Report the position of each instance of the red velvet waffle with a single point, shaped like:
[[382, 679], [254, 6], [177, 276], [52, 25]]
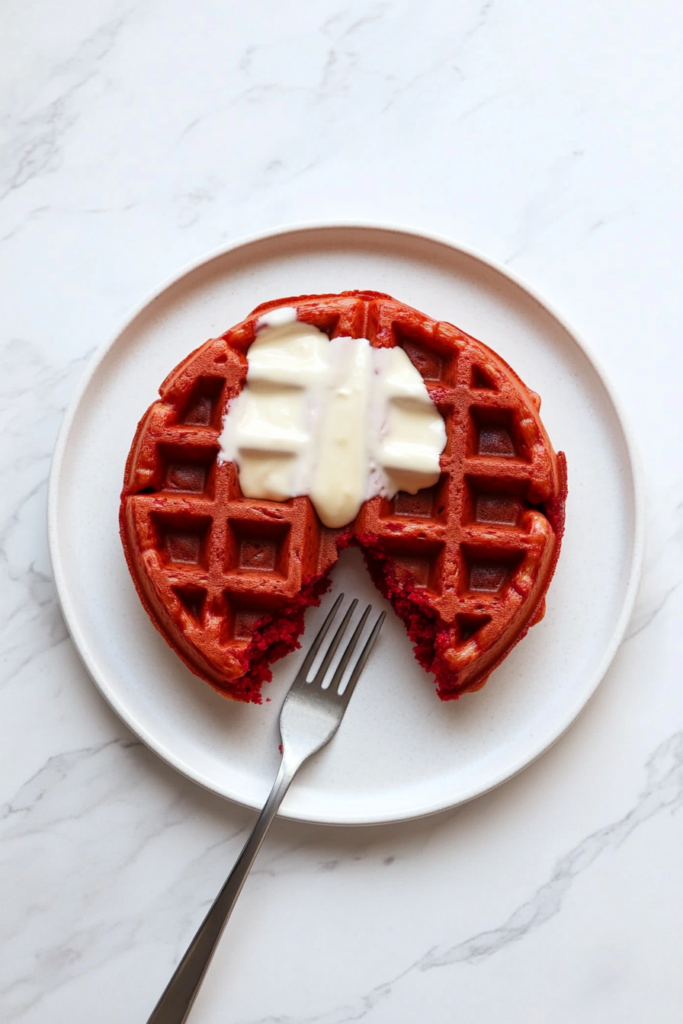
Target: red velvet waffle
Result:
[[465, 564]]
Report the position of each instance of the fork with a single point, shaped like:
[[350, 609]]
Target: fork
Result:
[[310, 716]]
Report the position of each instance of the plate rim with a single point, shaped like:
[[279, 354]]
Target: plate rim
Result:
[[409, 232]]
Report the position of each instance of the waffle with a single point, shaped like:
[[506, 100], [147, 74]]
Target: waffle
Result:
[[465, 563]]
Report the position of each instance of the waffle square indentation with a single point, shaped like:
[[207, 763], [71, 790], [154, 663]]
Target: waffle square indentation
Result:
[[481, 379], [204, 407], [488, 575], [239, 621], [492, 433], [187, 470], [418, 506], [420, 562], [258, 547], [498, 509], [192, 600], [244, 622], [487, 571], [427, 503], [435, 364], [183, 538], [469, 625]]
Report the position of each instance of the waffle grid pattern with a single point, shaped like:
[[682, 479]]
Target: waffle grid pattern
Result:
[[475, 552]]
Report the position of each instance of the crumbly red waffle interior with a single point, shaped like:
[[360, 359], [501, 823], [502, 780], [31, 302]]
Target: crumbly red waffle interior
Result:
[[465, 564]]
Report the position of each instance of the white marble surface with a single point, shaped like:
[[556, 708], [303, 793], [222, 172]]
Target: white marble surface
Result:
[[137, 136]]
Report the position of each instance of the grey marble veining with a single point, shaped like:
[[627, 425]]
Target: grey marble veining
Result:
[[133, 138]]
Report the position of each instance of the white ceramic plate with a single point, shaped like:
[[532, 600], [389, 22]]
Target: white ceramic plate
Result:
[[400, 752]]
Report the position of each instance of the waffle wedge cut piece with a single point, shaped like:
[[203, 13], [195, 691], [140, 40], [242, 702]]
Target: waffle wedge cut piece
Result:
[[465, 564]]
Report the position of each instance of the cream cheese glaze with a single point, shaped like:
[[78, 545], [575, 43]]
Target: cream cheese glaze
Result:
[[336, 419]]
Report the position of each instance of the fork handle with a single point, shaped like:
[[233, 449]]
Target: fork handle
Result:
[[179, 994]]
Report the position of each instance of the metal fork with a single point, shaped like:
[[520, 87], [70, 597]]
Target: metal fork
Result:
[[310, 716]]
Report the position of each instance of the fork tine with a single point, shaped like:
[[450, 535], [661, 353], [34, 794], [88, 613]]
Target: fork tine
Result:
[[315, 646], [362, 658], [319, 677], [344, 660]]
